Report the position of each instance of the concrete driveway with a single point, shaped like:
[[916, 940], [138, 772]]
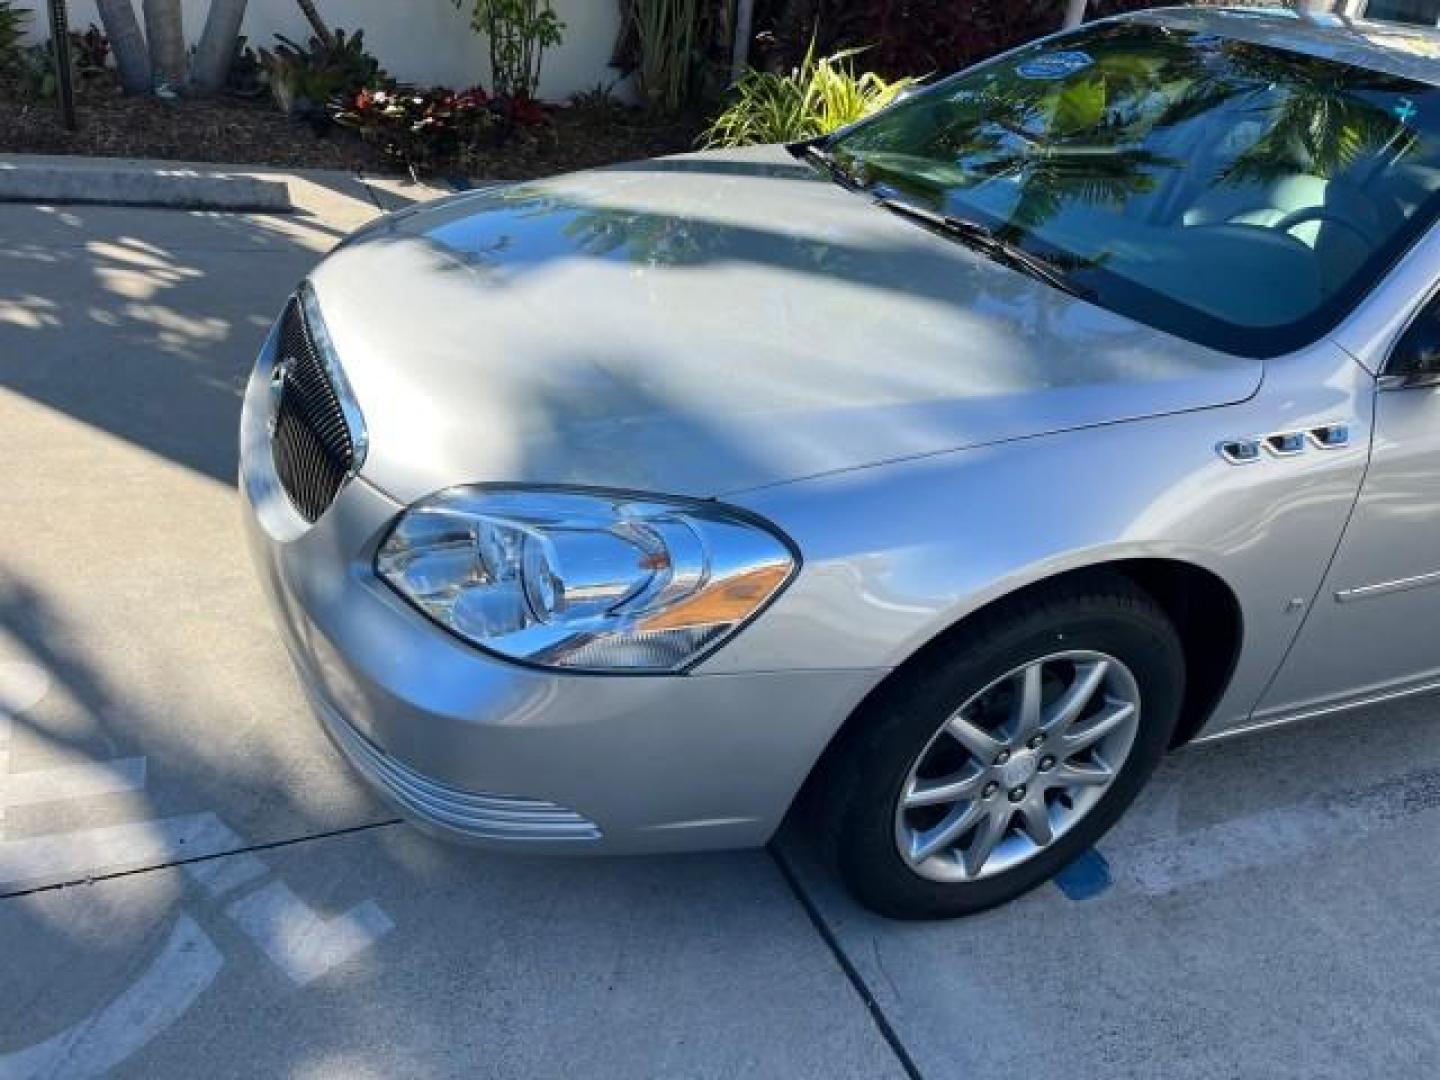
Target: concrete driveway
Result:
[[191, 883]]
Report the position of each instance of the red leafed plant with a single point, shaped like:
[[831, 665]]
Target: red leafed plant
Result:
[[425, 128], [913, 37], [417, 128], [524, 110]]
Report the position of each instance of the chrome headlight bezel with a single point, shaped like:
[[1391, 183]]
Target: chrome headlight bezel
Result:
[[712, 569]]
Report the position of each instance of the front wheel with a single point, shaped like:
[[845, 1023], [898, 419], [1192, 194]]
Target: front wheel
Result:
[[992, 763]]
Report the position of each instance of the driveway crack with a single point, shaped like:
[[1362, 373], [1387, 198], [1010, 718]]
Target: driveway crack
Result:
[[90, 879], [857, 982]]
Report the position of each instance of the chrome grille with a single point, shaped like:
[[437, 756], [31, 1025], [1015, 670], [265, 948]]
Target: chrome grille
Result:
[[310, 439]]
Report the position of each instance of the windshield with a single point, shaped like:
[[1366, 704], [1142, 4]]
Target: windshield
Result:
[[1233, 194]]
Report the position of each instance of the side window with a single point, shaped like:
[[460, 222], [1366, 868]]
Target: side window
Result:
[[1415, 359], [1417, 12]]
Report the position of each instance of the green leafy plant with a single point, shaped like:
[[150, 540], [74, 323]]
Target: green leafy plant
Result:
[[519, 32], [312, 16], [246, 76], [91, 51], [304, 78], [665, 35], [822, 95], [34, 69], [13, 24], [600, 98]]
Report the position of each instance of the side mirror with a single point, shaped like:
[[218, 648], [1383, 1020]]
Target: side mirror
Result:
[[1415, 360]]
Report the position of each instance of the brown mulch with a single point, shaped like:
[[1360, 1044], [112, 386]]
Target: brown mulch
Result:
[[254, 132], [583, 138], [224, 130]]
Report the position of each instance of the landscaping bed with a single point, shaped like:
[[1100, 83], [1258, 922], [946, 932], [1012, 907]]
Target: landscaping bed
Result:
[[231, 130]]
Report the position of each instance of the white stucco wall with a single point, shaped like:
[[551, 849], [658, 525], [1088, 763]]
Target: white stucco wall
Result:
[[419, 41]]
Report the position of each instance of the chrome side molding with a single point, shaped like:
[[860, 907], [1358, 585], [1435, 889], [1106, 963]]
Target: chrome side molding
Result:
[[1385, 588], [1324, 710]]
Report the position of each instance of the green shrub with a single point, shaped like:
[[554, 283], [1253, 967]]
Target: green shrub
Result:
[[519, 32], [91, 50], [33, 70], [666, 34], [822, 95], [13, 23], [305, 78]]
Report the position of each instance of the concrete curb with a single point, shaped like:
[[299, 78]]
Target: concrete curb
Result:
[[120, 185]]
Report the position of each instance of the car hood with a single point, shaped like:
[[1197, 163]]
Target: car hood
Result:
[[710, 323]]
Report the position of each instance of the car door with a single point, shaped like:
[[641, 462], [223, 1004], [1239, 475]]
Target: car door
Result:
[[1374, 628]]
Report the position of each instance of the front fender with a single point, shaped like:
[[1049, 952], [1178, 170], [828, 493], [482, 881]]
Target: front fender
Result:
[[896, 554]]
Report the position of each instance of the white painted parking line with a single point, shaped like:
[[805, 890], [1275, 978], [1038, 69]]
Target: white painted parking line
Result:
[[69, 856], [298, 940], [78, 781], [187, 965]]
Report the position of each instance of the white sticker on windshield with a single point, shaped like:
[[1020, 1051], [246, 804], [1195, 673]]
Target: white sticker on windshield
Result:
[[1056, 65]]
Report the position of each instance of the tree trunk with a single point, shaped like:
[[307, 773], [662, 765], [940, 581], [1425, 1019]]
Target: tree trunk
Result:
[[128, 43], [165, 30], [1074, 13], [744, 23], [312, 16], [216, 51]]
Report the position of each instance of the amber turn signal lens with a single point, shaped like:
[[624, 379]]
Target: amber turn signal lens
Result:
[[727, 601]]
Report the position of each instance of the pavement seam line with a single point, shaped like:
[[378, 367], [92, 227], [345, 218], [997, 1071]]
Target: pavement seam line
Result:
[[852, 974], [137, 870]]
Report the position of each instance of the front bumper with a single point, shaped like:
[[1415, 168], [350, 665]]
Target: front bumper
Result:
[[483, 750]]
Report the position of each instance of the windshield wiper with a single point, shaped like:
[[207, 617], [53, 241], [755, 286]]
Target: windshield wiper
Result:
[[973, 234], [982, 238]]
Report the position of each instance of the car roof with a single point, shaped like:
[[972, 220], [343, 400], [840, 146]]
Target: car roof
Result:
[[1411, 52]]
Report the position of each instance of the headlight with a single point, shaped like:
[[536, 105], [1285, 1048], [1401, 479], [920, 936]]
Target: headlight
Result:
[[586, 581]]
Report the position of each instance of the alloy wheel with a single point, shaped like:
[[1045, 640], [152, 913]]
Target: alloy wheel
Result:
[[1017, 766]]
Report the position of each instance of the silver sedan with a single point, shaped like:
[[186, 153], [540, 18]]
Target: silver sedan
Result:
[[935, 477]]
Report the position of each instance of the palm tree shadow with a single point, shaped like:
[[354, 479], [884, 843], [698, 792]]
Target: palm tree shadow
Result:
[[142, 324]]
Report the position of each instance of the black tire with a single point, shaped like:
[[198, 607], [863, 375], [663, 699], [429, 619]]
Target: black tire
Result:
[[861, 786]]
